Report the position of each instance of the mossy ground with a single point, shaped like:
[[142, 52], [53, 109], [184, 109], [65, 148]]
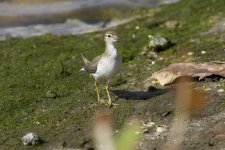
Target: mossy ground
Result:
[[30, 68]]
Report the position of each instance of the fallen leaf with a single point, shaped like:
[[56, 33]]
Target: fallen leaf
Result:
[[177, 70]]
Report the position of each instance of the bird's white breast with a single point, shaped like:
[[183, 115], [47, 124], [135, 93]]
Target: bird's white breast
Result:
[[108, 67]]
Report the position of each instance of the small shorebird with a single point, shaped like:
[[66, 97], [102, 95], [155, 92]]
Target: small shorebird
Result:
[[104, 66]]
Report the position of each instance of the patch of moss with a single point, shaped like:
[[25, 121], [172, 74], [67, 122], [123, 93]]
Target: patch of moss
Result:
[[29, 68]]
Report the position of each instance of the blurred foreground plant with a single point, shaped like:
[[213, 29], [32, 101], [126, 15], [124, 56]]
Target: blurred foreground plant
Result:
[[103, 134], [189, 101]]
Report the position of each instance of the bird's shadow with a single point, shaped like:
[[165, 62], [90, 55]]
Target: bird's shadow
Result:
[[140, 95]]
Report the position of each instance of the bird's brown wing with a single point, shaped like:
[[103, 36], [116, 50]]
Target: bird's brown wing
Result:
[[91, 67]]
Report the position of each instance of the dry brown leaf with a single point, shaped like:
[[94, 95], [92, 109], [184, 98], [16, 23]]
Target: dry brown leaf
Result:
[[200, 71]]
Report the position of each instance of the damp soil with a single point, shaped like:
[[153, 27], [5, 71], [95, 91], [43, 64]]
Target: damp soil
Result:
[[42, 90]]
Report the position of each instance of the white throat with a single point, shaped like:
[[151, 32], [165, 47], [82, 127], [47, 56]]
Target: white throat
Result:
[[111, 49]]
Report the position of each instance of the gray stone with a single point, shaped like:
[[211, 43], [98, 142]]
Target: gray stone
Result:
[[31, 139], [159, 44]]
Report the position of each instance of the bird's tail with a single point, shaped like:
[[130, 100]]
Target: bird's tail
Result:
[[85, 60]]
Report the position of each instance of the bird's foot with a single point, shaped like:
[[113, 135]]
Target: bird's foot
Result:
[[103, 101], [108, 103]]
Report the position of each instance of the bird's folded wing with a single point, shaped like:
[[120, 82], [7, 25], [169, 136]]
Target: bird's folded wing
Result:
[[91, 67]]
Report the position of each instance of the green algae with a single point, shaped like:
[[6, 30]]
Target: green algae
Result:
[[30, 68]]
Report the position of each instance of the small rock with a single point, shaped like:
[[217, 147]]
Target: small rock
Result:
[[31, 139], [159, 44], [220, 90], [190, 53], [137, 27], [161, 129], [150, 124], [172, 24], [203, 52]]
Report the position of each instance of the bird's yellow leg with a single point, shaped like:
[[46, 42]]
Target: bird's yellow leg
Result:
[[109, 98], [97, 91], [109, 102]]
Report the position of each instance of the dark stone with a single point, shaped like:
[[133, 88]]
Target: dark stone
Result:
[[159, 44]]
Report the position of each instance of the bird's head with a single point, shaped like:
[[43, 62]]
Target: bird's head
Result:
[[110, 37]]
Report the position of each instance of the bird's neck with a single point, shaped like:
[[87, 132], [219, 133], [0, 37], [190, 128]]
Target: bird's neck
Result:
[[110, 49]]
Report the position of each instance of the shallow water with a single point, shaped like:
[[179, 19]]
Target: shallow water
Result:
[[19, 20], [12, 9]]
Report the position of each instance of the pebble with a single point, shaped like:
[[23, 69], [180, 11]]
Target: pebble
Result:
[[31, 139], [150, 124], [220, 90], [190, 53], [159, 44], [161, 129], [137, 27], [203, 52]]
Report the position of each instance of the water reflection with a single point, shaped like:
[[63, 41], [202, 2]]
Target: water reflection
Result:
[[15, 9], [24, 18]]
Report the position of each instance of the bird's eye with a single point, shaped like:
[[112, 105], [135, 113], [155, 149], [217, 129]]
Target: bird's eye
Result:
[[109, 35]]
